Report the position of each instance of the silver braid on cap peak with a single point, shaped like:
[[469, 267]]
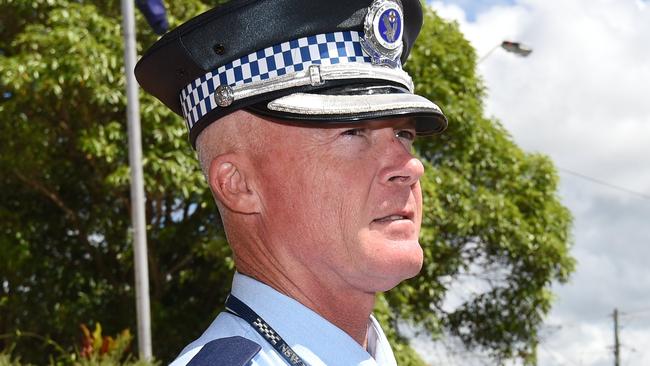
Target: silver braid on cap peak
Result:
[[302, 62]]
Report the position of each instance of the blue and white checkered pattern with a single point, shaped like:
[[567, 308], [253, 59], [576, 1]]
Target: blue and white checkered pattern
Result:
[[197, 98]]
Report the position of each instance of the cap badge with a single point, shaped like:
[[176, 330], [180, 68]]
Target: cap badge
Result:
[[383, 33]]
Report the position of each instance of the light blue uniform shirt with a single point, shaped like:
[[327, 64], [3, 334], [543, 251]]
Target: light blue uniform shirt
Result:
[[317, 341]]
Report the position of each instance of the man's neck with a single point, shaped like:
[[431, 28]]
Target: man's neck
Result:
[[347, 309]]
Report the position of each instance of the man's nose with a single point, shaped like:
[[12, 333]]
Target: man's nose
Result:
[[400, 166]]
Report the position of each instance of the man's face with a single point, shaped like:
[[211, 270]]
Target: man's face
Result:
[[344, 202]]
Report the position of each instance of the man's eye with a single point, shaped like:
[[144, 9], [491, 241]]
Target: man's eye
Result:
[[405, 134], [354, 132]]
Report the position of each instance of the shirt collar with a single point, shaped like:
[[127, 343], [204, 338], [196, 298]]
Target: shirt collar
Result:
[[315, 339]]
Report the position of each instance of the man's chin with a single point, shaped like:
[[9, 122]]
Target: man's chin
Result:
[[388, 283], [404, 261]]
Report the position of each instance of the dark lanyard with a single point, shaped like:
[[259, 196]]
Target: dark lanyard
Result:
[[238, 308]]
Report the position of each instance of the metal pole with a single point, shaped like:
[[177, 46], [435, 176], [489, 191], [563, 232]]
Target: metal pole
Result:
[[487, 54], [617, 345], [512, 47], [137, 186]]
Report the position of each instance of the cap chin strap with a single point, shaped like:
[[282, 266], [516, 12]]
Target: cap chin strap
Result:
[[316, 75]]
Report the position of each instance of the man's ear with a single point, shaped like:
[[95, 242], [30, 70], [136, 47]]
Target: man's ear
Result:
[[229, 178]]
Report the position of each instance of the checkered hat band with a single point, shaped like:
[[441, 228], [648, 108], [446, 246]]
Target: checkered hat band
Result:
[[197, 98]]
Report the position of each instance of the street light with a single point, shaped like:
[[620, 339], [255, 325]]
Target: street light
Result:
[[512, 47]]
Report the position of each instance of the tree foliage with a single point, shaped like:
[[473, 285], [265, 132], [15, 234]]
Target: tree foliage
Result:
[[491, 214], [491, 210]]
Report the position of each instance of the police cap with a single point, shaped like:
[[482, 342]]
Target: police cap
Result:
[[318, 62]]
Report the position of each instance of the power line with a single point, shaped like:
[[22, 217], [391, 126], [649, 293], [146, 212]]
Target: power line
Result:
[[635, 311], [563, 360], [606, 184]]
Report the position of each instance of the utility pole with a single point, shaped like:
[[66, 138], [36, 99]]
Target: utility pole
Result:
[[617, 345]]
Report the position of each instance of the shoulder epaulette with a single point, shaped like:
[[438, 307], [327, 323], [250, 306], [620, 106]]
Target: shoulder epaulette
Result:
[[231, 351]]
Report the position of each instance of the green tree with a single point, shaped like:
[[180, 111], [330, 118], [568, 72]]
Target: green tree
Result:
[[64, 216], [491, 213], [64, 197]]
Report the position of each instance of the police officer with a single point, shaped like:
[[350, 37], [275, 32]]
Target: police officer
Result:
[[303, 121]]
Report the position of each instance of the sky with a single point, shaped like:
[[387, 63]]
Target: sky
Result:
[[583, 98]]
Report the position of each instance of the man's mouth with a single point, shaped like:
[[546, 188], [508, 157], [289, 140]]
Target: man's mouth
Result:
[[392, 218]]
